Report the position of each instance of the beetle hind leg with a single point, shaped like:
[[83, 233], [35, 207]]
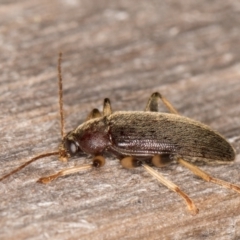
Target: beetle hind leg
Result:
[[205, 176], [153, 103]]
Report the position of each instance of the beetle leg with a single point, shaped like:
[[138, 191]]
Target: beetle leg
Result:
[[205, 176], [161, 160], [153, 103], [107, 109], [191, 206], [95, 113], [64, 172], [98, 161], [130, 162]]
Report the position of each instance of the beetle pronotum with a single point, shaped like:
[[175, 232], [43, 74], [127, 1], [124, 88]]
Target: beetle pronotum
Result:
[[142, 138]]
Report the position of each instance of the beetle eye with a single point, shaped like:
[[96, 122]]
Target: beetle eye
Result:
[[72, 147]]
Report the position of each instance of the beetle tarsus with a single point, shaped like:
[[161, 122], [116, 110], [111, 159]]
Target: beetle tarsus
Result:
[[48, 179]]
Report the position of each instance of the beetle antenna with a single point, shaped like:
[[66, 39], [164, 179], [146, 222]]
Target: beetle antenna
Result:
[[28, 162], [61, 151], [60, 94]]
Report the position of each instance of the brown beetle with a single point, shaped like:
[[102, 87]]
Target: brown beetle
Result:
[[143, 138]]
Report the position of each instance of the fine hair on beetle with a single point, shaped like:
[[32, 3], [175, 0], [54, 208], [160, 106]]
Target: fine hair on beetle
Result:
[[144, 139]]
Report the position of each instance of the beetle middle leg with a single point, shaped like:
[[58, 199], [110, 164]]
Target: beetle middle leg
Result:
[[107, 109], [95, 113], [131, 162], [161, 160], [153, 103], [98, 161]]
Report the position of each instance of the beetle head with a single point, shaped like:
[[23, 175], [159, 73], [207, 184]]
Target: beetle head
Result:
[[69, 147]]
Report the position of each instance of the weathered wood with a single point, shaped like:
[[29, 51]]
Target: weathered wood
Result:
[[125, 50]]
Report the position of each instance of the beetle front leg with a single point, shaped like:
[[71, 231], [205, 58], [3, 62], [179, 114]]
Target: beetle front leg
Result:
[[153, 103], [98, 161]]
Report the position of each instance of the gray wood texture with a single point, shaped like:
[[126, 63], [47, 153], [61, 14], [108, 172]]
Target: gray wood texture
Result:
[[125, 50]]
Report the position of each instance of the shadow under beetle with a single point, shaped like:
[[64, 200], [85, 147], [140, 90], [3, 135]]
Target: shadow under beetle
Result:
[[142, 138]]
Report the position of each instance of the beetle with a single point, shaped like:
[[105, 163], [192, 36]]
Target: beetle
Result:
[[142, 138]]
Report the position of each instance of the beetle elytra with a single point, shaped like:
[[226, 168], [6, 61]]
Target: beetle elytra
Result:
[[142, 138]]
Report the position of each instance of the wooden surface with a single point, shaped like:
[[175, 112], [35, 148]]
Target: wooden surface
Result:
[[124, 50]]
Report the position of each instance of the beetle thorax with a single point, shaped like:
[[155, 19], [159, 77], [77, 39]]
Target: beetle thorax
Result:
[[92, 136]]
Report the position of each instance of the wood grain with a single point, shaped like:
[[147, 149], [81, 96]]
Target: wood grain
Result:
[[125, 50]]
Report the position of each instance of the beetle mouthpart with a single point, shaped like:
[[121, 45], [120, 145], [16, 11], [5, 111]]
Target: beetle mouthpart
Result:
[[63, 154]]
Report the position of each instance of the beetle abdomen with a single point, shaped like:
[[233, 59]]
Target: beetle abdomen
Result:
[[150, 133]]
